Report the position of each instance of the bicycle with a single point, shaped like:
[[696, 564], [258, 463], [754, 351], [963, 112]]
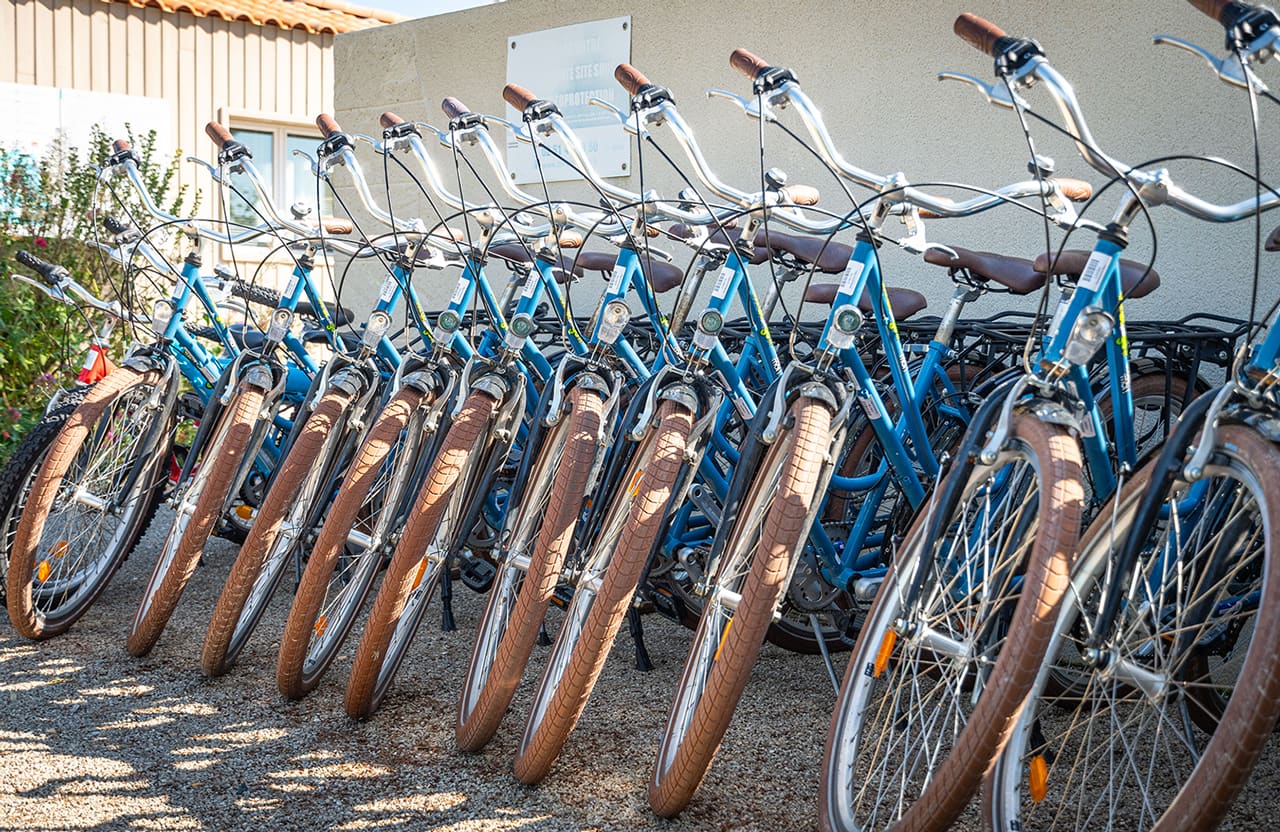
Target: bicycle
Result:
[[971, 599]]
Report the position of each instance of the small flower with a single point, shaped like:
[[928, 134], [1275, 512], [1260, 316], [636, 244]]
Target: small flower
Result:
[[41, 242], [4, 434], [15, 414]]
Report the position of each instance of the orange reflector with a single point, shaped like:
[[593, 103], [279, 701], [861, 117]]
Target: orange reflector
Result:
[[417, 579], [885, 651], [1038, 778], [321, 623], [42, 571], [723, 636], [60, 549], [244, 511], [635, 483]]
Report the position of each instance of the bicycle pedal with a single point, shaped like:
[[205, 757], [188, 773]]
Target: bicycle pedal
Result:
[[849, 634], [477, 575], [667, 604], [190, 407], [562, 596]]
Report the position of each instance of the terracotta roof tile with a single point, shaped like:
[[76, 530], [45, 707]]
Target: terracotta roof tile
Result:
[[312, 15]]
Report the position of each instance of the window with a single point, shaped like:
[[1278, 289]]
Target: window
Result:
[[287, 176]]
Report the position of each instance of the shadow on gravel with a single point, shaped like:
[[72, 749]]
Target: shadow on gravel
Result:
[[92, 739]]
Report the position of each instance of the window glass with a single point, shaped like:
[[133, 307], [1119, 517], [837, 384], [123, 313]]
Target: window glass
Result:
[[299, 182], [261, 144]]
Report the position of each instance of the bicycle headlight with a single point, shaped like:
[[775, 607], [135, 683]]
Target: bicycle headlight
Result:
[[280, 320], [613, 319], [845, 323], [518, 330], [710, 322], [448, 321], [522, 325], [375, 328], [1088, 334], [161, 314]]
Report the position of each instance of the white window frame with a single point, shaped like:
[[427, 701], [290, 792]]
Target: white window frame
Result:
[[281, 127]]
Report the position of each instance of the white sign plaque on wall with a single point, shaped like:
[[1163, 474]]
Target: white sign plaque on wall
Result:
[[32, 117], [569, 66]]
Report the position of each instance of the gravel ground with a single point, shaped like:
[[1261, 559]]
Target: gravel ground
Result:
[[91, 738]]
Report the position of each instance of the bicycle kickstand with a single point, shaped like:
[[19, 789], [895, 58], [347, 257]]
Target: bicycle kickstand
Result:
[[643, 663]]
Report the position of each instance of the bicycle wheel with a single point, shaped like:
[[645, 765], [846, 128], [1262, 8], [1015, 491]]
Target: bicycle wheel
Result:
[[602, 593], [933, 686], [198, 509], [433, 528], [809, 596], [351, 546], [1160, 729], [538, 530], [19, 473], [752, 573], [76, 527], [280, 526]]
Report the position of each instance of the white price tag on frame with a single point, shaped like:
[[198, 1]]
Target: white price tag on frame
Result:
[[1094, 271], [570, 65]]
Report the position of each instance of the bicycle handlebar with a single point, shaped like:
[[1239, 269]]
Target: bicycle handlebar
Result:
[[518, 97], [48, 271], [748, 64], [982, 35], [787, 90], [1213, 8], [1156, 188], [453, 108], [327, 125], [631, 79]]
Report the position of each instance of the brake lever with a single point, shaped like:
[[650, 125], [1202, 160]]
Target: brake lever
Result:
[[213, 170], [749, 107], [1227, 69], [628, 123], [998, 95], [515, 129], [54, 292]]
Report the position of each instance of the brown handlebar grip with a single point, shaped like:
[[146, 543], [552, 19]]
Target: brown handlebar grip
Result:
[[746, 63], [518, 97], [630, 78], [980, 34], [453, 108], [121, 146], [1212, 8], [801, 194], [221, 136], [389, 120], [328, 126], [1076, 190]]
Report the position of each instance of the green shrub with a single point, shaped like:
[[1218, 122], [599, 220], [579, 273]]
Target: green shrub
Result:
[[47, 206]]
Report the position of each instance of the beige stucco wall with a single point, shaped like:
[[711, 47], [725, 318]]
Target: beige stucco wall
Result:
[[871, 67]]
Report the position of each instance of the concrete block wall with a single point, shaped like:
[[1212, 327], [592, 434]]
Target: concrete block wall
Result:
[[871, 66]]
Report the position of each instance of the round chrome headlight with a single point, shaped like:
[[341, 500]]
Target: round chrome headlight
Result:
[[449, 321], [522, 325], [613, 319], [711, 322]]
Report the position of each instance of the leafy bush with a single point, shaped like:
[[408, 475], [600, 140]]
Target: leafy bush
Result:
[[48, 205]]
